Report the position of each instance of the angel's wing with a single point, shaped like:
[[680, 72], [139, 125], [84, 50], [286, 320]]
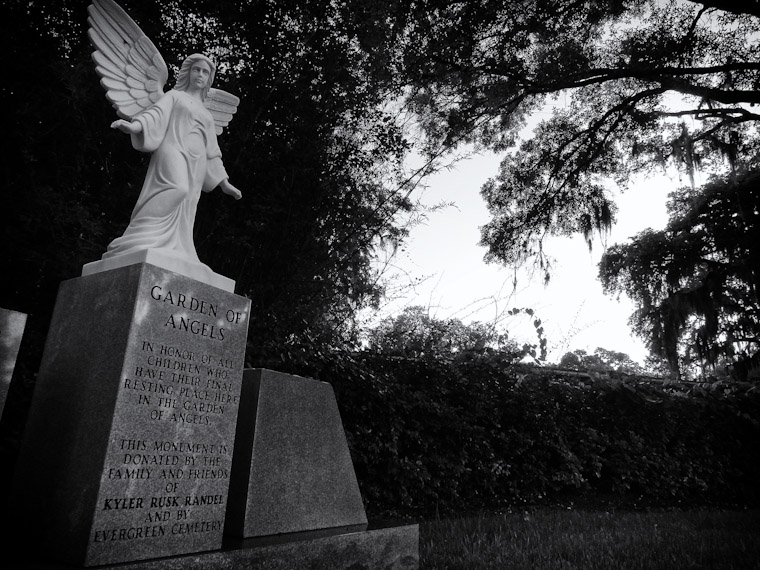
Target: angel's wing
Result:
[[222, 106], [131, 70]]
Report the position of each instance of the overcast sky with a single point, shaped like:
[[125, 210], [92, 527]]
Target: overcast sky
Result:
[[444, 261]]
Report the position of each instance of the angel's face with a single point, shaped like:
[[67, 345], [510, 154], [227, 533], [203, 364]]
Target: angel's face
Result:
[[199, 74]]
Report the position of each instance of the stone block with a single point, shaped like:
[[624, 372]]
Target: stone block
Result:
[[380, 548], [292, 469], [12, 325], [128, 446]]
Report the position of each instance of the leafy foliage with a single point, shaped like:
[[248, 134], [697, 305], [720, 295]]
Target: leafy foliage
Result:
[[435, 435], [415, 334], [602, 360], [696, 283]]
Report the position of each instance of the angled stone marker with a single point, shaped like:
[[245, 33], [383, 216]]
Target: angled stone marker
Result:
[[128, 447], [292, 470], [294, 500], [12, 325]]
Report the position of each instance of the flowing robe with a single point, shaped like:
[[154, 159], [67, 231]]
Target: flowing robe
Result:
[[186, 160]]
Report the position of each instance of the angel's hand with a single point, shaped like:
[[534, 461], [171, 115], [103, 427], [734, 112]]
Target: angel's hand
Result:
[[130, 128], [228, 188]]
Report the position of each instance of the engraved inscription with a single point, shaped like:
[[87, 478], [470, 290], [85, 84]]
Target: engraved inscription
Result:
[[167, 473], [180, 385]]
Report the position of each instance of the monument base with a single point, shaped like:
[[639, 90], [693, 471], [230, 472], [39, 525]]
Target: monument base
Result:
[[165, 260], [381, 548]]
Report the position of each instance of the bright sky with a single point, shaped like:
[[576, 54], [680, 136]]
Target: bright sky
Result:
[[443, 253]]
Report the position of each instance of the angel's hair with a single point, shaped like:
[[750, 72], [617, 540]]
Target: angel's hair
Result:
[[183, 79]]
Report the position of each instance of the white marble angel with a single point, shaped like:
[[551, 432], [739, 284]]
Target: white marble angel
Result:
[[179, 128]]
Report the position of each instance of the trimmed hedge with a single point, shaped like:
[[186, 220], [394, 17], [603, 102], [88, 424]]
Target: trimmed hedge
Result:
[[483, 433]]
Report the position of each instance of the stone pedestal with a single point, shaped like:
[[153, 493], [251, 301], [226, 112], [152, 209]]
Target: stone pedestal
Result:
[[292, 470], [128, 447], [12, 326], [165, 260]]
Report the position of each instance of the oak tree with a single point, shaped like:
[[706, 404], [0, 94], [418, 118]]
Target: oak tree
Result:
[[696, 284]]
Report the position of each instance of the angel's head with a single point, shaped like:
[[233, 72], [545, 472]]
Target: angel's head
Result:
[[183, 79]]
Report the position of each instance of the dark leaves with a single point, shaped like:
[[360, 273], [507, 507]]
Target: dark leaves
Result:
[[696, 283]]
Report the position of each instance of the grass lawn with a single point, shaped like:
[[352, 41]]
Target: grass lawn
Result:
[[592, 540]]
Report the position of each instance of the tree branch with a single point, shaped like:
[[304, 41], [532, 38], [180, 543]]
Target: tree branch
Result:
[[720, 95], [623, 107], [653, 74], [736, 114], [749, 7], [690, 32]]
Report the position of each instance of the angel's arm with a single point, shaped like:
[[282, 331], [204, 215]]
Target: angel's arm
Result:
[[128, 127], [228, 188]]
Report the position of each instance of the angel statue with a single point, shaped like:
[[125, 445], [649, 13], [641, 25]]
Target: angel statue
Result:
[[179, 128]]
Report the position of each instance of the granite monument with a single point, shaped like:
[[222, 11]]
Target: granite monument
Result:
[[128, 446]]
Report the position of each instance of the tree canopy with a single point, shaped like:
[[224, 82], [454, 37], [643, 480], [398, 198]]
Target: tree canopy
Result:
[[318, 149], [697, 282], [628, 87], [414, 333], [602, 360]]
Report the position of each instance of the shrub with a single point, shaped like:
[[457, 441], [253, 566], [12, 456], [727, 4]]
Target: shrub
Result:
[[468, 433]]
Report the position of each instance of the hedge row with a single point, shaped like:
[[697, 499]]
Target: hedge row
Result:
[[480, 433]]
